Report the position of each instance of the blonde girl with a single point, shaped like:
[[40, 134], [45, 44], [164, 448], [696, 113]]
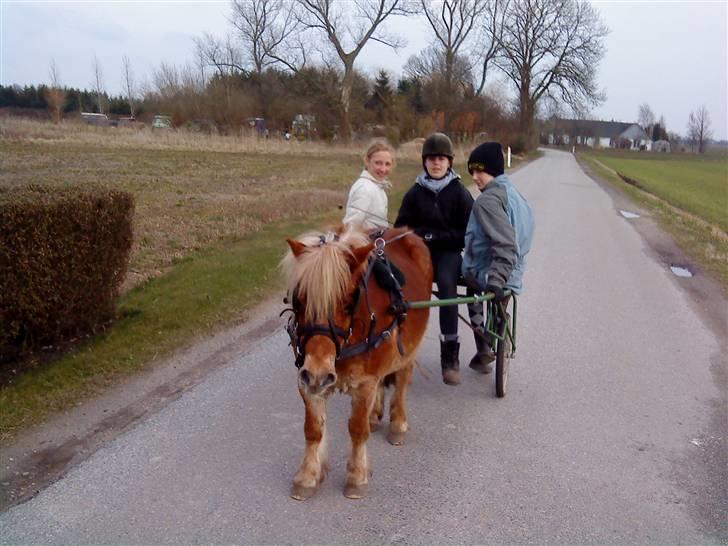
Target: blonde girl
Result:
[[367, 202]]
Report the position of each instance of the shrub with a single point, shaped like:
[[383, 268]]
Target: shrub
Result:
[[63, 256]]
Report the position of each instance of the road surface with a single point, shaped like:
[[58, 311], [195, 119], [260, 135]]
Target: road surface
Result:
[[613, 429]]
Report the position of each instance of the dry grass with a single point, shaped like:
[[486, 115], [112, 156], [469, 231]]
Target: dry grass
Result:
[[79, 133], [191, 190]]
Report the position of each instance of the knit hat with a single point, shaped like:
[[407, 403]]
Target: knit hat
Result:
[[487, 157]]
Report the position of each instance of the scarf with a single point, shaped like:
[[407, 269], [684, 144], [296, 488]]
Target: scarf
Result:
[[433, 185]]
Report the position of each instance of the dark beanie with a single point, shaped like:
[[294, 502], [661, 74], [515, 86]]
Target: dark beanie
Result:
[[487, 157]]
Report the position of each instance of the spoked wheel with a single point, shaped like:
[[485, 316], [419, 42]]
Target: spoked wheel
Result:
[[502, 359]]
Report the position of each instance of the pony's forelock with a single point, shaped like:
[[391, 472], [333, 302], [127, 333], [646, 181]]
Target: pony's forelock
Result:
[[321, 274]]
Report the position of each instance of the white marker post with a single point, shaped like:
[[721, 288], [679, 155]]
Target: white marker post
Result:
[[509, 157]]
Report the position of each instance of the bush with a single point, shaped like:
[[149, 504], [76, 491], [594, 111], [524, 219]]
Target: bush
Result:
[[518, 146], [63, 257]]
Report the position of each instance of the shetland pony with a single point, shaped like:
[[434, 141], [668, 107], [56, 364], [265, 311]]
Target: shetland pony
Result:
[[349, 334]]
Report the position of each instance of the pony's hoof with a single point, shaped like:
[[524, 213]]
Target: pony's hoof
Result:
[[301, 493], [373, 426], [396, 438], [352, 491]]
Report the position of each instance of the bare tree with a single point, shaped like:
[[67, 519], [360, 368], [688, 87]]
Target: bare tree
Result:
[[551, 47], [267, 31], [645, 117], [55, 95], [699, 128], [222, 54], [98, 84], [128, 83], [487, 42], [429, 68], [452, 22], [350, 25]]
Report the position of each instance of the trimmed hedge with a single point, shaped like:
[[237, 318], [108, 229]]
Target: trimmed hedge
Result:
[[63, 257]]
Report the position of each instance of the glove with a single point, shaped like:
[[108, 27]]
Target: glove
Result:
[[497, 290]]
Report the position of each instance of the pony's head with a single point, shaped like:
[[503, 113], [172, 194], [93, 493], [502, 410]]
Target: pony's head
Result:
[[323, 270]]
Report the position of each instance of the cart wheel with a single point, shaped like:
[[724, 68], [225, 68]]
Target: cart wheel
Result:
[[502, 360]]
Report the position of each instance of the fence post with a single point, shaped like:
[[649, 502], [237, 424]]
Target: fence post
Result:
[[509, 157]]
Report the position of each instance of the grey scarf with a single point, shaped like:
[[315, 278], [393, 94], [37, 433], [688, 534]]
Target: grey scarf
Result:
[[433, 185]]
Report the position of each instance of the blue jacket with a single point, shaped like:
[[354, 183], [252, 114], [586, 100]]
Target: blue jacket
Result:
[[498, 236]]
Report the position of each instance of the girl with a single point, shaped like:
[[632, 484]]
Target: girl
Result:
[[437, 208], [367, 203]]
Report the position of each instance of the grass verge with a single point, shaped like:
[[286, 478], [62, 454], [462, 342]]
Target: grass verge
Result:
[[204, 291], [705, 242]]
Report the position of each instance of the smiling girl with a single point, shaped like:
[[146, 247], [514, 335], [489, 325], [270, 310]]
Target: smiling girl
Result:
[[367, 203]]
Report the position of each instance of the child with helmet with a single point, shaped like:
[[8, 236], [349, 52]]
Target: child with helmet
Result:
[[437, 208]]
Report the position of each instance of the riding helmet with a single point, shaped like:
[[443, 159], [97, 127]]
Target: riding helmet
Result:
[[438, 144]]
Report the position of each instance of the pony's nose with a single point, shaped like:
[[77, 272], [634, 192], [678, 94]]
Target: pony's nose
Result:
[[316, 382]]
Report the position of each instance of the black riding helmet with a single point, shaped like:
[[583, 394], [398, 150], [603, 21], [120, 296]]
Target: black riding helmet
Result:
[[437, 144]]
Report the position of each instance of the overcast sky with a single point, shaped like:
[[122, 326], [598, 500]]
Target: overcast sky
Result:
[[670, 55]]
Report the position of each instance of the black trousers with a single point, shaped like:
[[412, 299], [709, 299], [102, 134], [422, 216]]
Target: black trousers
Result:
[[446, 265]]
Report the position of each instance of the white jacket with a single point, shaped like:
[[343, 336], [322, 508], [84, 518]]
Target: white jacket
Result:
[[367, 203]]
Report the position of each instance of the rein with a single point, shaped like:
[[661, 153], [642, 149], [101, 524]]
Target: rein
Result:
[[300, 334]]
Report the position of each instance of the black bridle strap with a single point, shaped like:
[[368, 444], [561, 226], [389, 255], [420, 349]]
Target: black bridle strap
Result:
[[301, 334]]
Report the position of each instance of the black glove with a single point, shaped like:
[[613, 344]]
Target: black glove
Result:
[[497, 290], [425, 233]]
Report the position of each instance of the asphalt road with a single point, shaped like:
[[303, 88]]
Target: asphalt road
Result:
[[613, 429]]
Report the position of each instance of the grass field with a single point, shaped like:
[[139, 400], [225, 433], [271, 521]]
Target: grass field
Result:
[[212, 214], [696, 184], [686, 194]]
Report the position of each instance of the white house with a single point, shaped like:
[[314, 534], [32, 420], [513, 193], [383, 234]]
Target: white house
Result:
[[596, 134]]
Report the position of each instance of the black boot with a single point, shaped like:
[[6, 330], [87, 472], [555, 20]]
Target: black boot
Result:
[[481, 362], [449, 351]]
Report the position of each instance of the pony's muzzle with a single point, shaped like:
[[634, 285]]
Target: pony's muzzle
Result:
[[315, 383]]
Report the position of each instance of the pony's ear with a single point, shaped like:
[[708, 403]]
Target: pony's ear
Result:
[[297, 247], [359, 255]]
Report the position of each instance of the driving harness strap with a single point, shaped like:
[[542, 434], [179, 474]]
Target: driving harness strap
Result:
[[300, 334]]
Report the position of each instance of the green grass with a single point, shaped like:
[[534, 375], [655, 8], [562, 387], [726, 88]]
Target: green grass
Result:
[[695, 230], [695, 184]]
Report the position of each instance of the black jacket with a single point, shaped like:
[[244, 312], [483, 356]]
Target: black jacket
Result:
[[444, 215]]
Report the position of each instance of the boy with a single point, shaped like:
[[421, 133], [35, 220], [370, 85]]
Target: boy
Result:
[[497, 239]]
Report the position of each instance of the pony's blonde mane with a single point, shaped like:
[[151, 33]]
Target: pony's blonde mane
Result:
[[321, 274]]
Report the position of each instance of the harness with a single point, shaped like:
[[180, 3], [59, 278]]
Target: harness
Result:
[[300, 334]]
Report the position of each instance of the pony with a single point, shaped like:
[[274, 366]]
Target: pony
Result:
[[351, 335]]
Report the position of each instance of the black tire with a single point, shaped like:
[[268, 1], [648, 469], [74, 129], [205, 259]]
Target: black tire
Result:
[[502, 360]]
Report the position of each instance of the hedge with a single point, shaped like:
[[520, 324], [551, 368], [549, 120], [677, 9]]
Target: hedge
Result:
[[63, 256]]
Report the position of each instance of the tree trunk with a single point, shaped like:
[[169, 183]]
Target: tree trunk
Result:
[[346, 86], [526, 111]]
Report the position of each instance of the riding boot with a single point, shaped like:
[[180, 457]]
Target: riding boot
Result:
[[449, 351], [481, 362]]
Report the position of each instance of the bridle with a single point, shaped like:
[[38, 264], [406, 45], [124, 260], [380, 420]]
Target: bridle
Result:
[[301, 333]]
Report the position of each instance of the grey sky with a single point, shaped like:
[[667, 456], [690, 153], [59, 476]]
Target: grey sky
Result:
[[671, 55]]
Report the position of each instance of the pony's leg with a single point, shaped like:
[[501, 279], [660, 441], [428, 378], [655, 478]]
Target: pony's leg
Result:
[[375, 417], [357, 469], [398, 406], [315, 460]]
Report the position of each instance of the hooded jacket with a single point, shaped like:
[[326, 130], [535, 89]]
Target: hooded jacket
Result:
[[367, 202], [498, 236]]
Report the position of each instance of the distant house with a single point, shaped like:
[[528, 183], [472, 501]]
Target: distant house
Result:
[[596, 134]]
